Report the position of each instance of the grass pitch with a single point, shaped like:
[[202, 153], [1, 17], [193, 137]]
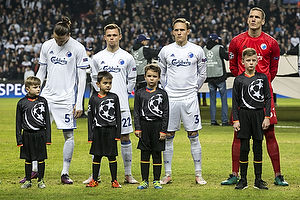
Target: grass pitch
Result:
[[216, 163]]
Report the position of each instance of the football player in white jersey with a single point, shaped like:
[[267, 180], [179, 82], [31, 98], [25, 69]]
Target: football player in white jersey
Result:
[[122, 66], [183, 72], [64, 60]]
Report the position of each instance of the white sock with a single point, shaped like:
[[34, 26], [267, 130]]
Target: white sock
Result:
[[34, 166], [168, 155], [68, 150], [126, 151], [196, 152]]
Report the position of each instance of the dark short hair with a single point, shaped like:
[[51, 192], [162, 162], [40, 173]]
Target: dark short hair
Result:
[[32, 80], [104, 74], [248, 52], [153, 67], [63, 27], [182, 20], [112, 26]]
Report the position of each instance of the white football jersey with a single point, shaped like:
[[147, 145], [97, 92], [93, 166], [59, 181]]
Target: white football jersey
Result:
[[62, 63], [122, 67], [183, 69]]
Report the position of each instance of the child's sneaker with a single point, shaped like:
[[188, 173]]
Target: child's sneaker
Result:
[[166, 179], [144, 185], [129, 179], [92, 183], [260, 184], [280, 181], [41, 184], [157, 185], [27, 184], [241, 185], [115, 184], [66, 179]]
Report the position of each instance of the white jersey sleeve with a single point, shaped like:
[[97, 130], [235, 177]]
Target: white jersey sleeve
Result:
[[201, 69], [131, 74], [163, 66]]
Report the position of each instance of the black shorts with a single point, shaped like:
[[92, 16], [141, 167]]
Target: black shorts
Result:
[[104, 143], [34, 145], [251, 124], [150, 136]]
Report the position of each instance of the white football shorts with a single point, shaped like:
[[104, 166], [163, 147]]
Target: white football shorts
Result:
[[63, 116], [126, 123], [188, 111]]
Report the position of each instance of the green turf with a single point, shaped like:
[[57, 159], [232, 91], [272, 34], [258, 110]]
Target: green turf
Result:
[[216, 163]]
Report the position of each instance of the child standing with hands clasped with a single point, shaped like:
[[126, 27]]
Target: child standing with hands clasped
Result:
[[33, 129], [251, 109], [104, 127], [151, 114]]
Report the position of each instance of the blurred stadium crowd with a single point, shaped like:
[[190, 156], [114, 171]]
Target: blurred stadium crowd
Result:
[[26, 24]]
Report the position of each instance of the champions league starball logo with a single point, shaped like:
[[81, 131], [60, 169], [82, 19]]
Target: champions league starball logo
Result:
[[107, 110], [210, 54], [231, 55], [37, 112], [154, 104], [255, 90]]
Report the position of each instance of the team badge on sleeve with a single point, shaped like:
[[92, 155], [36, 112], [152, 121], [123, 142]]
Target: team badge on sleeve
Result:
[[231, 55]]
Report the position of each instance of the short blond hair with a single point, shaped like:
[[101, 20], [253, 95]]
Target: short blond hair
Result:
[[112, 26], [258, 9], [248, 52], [182, 20]]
